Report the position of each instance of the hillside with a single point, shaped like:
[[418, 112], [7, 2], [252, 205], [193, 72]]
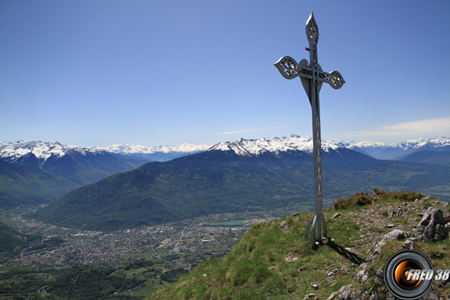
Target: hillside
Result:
[[429, 157], [230, 180], [273, 261], [10, 241], [21, 185]]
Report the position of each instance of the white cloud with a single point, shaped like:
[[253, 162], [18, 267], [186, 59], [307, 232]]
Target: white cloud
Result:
[[432, 127]]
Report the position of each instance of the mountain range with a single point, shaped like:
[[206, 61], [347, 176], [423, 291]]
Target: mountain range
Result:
[[400, 150], [275, 145], [158, 153], [432, 151], [31, 153], [80, 165], [377, 150], [36, 172], [229, 177]]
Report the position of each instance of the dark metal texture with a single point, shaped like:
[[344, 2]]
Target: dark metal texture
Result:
[[312, 77]]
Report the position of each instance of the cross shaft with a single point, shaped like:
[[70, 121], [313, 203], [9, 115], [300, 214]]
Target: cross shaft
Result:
[[312, 77]]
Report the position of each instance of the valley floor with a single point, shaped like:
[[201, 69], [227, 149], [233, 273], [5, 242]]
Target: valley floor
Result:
[[156, 255]]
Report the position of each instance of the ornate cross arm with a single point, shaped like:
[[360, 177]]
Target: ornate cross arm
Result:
[[289, 68]]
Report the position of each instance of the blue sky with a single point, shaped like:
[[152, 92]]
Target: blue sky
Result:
[[97, 73]]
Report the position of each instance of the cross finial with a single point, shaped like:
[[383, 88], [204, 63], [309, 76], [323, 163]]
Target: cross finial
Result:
[[312, 30]]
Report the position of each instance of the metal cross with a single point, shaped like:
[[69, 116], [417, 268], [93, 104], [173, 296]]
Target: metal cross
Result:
[[312, 78]]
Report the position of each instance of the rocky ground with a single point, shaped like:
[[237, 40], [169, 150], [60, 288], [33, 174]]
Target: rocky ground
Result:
[[412, 224]]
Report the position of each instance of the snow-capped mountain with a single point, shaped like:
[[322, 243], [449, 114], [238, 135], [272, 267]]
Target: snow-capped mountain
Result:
[[276, 145], [41, 151], [294, 142], [369, 148], [432, 143], [78, 164], [39, 154], [158, 153], [133, 149], [365, 145], [398, 150]]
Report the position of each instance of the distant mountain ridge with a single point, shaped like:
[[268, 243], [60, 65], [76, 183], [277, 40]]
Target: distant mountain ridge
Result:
[[244, 146], [400, 150], [377, 150], [13, 152], [64, 168], [274, 145], [429, 157], [157, 153], [78, 164], [36, 153], [42, 151]]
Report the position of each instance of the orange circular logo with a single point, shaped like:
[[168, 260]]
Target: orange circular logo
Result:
[[408, 274], [403, 274]]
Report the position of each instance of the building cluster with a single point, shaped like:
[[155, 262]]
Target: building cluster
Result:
[[121, 247]]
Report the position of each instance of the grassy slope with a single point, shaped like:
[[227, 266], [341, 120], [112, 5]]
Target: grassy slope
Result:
[[45, 282], [256, 268], [12, 241], [9, 240]]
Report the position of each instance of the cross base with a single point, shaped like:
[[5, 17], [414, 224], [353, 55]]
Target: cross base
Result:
[[316, 221]]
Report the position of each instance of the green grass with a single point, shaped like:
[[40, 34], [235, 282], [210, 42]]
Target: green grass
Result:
[[150, 287], [256, 268]]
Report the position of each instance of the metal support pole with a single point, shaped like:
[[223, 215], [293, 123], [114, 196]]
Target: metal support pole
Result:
[[312, 78]]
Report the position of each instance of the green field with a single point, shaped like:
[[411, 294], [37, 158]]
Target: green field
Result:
[[134, 281]]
